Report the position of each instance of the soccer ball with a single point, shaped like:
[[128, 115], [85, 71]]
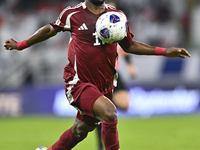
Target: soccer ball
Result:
[[41, 148], [111, 27]]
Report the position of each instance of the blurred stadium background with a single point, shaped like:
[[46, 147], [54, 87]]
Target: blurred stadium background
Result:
[[31, 81]]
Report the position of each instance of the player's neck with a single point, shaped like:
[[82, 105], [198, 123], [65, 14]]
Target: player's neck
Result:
[[95, 9]]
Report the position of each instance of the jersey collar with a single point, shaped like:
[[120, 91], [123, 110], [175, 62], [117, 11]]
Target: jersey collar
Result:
[[84, 5]]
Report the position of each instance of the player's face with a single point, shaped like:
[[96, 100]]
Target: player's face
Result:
[[97, 2]]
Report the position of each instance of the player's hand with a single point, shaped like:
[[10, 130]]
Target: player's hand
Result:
[[10, 44], [177, 52]]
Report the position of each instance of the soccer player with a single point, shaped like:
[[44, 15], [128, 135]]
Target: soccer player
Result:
[[91, 70]]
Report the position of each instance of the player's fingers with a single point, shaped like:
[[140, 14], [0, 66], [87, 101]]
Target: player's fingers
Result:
[[181, 56], [8, 48], [185, 52], [6, 43]]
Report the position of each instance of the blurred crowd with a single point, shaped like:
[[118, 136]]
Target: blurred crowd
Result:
[[163, 23]]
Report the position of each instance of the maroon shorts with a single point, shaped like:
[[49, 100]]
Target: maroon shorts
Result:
[[85, 103]]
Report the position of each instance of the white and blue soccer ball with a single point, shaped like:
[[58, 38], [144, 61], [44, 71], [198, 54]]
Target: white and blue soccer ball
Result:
[[41, 148], [111, 27]]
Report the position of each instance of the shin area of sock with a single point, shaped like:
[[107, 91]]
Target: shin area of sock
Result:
[[66, 142], [110, 135]]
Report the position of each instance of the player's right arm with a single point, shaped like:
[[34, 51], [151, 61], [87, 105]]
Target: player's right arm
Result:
[[40, 35], [140, 48]]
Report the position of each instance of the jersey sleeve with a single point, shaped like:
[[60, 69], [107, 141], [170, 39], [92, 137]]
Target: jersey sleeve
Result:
[[127, 40], [63, 22]]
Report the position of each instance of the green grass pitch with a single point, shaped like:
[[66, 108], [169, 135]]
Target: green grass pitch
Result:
[[156, 133]]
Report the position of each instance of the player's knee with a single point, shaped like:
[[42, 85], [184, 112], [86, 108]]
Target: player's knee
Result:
[[105, 110], [80, 129], [110, 115], [79, 133]]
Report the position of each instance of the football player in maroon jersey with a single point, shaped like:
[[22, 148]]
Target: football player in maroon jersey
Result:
[[89, 76]]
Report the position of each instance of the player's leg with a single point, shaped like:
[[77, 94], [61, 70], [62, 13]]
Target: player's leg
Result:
[[99, 108], [105, 110], [91, 102], [121, 101], [83, 123], [72, 136]]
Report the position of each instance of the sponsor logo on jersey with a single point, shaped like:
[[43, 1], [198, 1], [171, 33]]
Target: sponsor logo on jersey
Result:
[[83, 27]]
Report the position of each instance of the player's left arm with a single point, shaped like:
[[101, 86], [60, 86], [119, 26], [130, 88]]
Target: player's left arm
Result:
[[40, 35], [143, 49]]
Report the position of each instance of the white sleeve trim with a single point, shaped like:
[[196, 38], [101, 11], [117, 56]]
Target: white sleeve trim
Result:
[[68, 23]]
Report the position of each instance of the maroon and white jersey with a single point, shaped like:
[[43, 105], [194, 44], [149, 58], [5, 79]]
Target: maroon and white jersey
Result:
[[90, 60]]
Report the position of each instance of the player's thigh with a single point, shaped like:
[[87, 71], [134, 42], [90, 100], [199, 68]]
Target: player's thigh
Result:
[[84, 103], [86, 100], [92, 103], [104, 109]]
